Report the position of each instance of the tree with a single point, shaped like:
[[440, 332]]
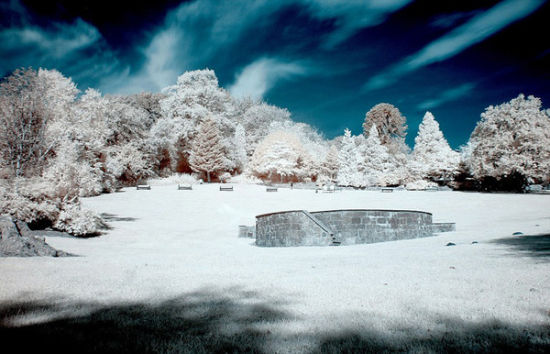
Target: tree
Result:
[[257, 120], [376, 160], [389, 122], [281, 157], [512, 138], [207, 151], [331, 164], [348, 161], [432, 155], [195, 98], [25, 112], [239, 148]]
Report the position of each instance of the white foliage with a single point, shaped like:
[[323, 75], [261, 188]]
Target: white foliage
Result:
[[208, 153], [71, 175], [77, 221], [376, 160], [432, 155], [281, 156], [348, 171], [420, 184], [257, 120], [512, 137]]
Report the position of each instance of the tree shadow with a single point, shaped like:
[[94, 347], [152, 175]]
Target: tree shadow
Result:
[[537, 246], [235, 322], [457, 337], [195, 323], [113, 217]]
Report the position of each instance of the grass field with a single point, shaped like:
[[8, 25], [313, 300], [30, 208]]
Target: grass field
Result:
[[172, 276]]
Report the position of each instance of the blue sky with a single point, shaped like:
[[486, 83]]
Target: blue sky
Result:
[[327, 61]]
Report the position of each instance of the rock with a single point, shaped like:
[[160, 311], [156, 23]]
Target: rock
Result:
[[450, 244], [18, 241], [517, 233], [474, 242]]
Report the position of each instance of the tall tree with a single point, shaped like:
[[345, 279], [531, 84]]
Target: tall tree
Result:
[[207, 151], [389, 122], [513, 137], [29, 102], [348, 161], [331, 164], [281, 157], [432, 155], [376, 160]]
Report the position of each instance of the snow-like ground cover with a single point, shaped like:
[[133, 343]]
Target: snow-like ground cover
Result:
[[169, 248]]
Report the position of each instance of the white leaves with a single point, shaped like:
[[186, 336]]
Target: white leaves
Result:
[[281, 156], [432, 155], [512, 137]]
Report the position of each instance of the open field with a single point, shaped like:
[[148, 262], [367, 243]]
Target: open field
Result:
[[172, 275]]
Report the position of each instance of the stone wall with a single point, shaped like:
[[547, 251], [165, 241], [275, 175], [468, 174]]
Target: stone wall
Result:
[[290, 228], [369, 226], [347, 227]]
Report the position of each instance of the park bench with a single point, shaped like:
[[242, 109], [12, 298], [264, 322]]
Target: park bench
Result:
[[226, 188], [271, 189], [143, 187], [186, 187], [387, 190]]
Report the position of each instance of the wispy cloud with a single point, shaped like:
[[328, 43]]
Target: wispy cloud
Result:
[[76, 48], [196, 31], [263, 74], [472, 32], [447, 96], [352, 15]]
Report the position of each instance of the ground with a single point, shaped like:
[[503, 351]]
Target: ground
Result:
[[172, 275]]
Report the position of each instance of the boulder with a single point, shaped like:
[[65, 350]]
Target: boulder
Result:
[[17, 240]]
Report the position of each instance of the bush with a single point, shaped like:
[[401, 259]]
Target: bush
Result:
[[36, 201]]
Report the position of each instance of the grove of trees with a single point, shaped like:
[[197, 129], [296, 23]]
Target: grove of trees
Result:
[[58, 144]]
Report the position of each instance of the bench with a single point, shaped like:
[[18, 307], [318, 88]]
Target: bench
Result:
[[185, 187], [143, 187], [226, 189], [271, 189], [387, 190]]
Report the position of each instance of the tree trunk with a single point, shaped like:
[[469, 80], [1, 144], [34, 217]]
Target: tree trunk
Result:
[[208, 176]]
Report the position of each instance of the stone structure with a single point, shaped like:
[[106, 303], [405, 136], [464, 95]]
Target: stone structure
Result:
[[17, 240], [334, 227]]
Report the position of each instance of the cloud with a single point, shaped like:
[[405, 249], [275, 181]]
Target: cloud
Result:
[[263, 74], [447, 96], [352, 15], [76, 48], [196, 31], [472, 32]]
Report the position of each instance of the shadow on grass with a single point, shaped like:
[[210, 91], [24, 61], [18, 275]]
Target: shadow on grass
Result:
[[112, 217], [458, 337], [537, 246], [239, 322]]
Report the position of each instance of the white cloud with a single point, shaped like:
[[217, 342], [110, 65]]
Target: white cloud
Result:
[[352, 15], [447, 96], [472, 32], [263, 74]]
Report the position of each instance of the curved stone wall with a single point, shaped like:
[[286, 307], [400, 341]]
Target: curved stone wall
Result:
[[290, 228], [332, 227], [369, 226]]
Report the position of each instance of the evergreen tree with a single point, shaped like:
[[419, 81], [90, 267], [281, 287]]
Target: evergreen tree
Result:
[[331, 164], [348, 161], [376, 160], [207, 151], [432, 155]]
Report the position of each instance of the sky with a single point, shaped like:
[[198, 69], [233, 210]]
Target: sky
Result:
[[327, 61]]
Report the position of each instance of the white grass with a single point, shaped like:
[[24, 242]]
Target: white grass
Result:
[[186, 241]]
